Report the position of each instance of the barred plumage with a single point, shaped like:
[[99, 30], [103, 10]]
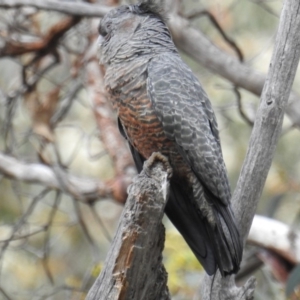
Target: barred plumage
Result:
[[162, 107]]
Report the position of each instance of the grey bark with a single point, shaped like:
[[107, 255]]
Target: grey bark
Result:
[[268, 122], [264, 137], [133, 268], [70, 8], [53, 177]]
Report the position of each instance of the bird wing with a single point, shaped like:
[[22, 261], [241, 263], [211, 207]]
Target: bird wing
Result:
[[185, 112], [186, 115]]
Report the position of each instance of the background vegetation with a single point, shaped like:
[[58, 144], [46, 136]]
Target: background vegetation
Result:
[[55, 231]]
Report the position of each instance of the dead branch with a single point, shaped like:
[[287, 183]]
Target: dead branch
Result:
[[80, 188], [266, 131], [70, 8], [276, 236], [133, 268], [264, 232], [44, 46]]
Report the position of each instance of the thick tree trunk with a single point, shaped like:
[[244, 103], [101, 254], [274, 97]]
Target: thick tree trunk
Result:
[[133, 268]]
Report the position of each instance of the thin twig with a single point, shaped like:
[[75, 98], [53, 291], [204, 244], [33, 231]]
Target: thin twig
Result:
[[85, 229], [66, 103], [240, 107], [4, 293], [46, 244], [70, 8], [24, 218], [219, 28], [98, 219]]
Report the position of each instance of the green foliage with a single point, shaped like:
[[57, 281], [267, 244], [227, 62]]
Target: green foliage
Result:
[[182, 266]]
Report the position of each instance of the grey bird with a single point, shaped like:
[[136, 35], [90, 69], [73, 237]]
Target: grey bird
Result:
[[163, 108]]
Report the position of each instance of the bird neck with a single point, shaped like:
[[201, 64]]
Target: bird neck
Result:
[[150, 38]]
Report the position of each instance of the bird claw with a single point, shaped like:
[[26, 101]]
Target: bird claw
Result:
[[151, 162]]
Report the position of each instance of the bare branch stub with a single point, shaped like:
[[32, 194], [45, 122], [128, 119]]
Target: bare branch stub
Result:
[[133, 268]]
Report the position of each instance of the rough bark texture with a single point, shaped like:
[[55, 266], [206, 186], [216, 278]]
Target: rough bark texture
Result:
[[266, 131], [133, 268], [268, 122]]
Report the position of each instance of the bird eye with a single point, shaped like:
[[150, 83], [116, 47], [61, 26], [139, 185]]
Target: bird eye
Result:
[[103, 30]]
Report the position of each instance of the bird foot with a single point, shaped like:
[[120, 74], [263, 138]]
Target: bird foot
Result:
[[153, 160]]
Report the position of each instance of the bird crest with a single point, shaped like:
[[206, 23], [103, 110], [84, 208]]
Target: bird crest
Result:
[[154, 7]]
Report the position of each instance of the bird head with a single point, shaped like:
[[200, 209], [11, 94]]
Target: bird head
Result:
[[129, 31]]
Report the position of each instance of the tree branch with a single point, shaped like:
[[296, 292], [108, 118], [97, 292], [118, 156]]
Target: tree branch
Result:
[[266, 131], [70, 8], [276, 236], [264, 232], [268, 121], [191, 41], [47, 45], [80, 188], [133, 268], [195, 44]]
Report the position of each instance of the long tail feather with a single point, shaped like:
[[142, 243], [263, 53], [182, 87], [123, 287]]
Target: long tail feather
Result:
[[215, 245]]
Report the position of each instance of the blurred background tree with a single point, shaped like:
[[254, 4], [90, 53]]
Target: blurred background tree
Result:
[[64, 168]]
